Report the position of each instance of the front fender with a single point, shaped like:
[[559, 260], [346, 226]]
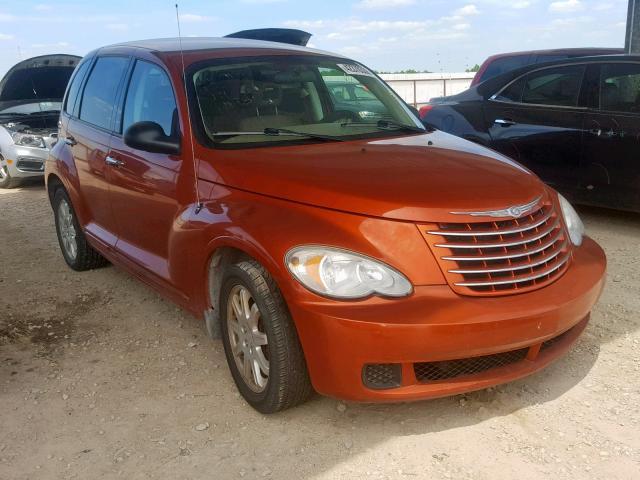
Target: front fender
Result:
[[266, 228]]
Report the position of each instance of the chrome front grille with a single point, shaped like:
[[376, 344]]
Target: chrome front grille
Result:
[[502, 256]]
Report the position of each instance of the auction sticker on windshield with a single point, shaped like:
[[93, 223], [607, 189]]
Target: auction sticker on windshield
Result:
[[354, 69]]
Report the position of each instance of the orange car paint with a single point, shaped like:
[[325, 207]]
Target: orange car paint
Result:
[[368, 196]]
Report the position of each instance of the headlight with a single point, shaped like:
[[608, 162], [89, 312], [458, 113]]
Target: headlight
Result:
[[27, 140], [342, 274], [574, 224]]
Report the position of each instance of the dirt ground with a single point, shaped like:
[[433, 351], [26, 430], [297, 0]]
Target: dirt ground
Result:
[[102, 378]]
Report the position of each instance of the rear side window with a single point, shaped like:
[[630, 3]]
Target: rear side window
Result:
[[74, 88], [98, 100], [504, 65], [556, 86], [620, 87], [150, 98]]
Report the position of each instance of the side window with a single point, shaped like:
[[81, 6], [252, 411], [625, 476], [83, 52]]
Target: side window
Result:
[[504, 65], [100, 91], [513, 92], [150, 98], [620, 87], [558, 86], [74, 88]]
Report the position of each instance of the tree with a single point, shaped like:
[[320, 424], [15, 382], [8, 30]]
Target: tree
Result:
[[475, 68]]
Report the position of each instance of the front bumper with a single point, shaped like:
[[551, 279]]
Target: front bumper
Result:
[[23, 162], [435, 324]]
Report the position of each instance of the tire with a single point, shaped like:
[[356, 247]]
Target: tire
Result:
[[6, 180], [76, 251], [287, 383]]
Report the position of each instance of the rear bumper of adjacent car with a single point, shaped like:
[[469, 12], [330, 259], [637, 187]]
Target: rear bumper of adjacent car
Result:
[[437, 343]]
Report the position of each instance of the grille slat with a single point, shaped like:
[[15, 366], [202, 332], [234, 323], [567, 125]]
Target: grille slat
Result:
[[474, 233], [521, 241], [502, 256]]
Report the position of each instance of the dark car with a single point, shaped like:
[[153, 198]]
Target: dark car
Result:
[[505, 62], [576, 123], [356, 98]]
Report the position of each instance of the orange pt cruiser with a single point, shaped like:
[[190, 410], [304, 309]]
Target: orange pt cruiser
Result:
[[289, 198]]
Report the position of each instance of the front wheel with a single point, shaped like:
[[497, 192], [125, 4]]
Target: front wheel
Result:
[[76, 251], [6, 180], [260, 340]]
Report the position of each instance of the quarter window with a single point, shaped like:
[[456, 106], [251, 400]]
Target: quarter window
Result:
[[620, 87], [150, 98], [98, 100], [74, 88]]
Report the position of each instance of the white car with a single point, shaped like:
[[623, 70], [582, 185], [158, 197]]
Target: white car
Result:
[[30, 101]]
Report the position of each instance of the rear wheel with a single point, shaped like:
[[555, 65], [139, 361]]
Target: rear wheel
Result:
[[260, 340], [76, 251], [6, 180]]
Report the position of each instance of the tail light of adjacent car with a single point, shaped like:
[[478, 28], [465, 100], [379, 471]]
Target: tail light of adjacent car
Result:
[[424, 110]]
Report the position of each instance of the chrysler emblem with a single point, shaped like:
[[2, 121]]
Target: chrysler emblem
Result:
[[514, 212]]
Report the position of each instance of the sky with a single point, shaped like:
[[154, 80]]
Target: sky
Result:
[[386, 35]]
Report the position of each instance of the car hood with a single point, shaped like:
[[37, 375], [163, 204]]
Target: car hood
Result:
[[40, 77], [421, 178]]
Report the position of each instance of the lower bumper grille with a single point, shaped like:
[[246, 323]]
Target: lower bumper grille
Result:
[[434, 371], [30, 164], [380, 376]]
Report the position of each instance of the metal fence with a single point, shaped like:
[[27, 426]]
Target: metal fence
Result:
[[418, 88]]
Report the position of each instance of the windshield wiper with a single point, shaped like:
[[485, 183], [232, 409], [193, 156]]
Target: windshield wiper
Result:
[[386, 125], [270, 131]]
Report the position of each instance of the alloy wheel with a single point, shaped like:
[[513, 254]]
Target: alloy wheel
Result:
[[249, 342], [67, 230]]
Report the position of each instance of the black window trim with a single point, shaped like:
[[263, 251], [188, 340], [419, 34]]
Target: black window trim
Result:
[[543, 105], [599, 109], [124, 92], [85, 61], [109, 129]]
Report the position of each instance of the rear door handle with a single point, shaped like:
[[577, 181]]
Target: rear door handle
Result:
[[505, 122], [69, 140], [113, 162]]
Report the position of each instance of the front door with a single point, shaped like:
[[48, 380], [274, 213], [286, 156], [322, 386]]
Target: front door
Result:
[[537, 120], [89, 136], [612, 142], [144, 193]]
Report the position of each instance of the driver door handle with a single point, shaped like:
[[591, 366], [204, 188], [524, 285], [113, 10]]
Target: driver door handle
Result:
[[505, 122], [113, 162], [69, 140]]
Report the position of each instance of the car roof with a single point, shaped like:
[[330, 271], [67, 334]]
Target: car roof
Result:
[[559, 51], [191, 44], [506, 77]]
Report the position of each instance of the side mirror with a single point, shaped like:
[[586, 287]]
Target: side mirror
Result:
[[414, 110], [150, 137]]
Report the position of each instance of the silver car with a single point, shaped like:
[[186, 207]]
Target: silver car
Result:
[[30, 101]]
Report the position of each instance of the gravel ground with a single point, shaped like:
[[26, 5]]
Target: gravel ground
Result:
[[102, 378]]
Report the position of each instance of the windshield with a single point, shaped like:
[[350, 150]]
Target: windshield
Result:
[[276, 99]]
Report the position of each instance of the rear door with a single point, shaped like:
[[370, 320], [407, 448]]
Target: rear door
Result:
[[612, 142], [537, 120], [88, 135], [144, 185]]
